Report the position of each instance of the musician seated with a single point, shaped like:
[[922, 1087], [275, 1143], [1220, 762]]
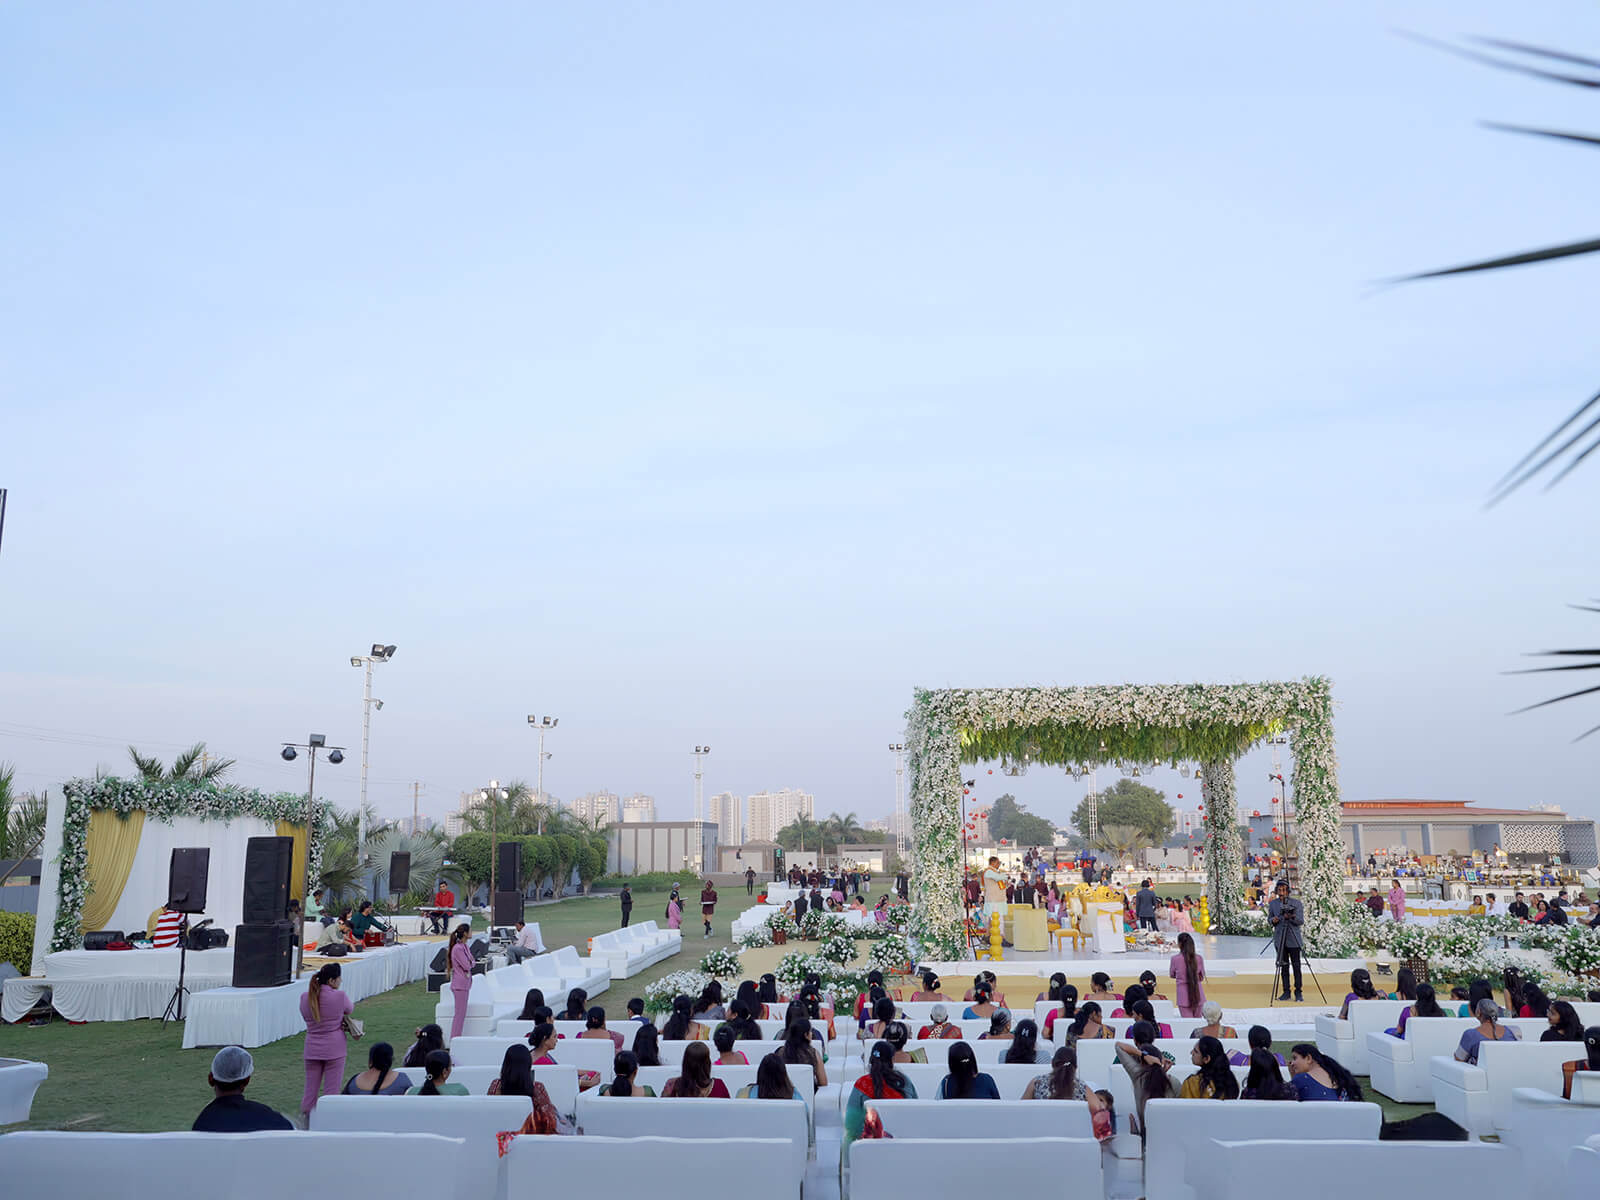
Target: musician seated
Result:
[[165, 928], [444, 903], [368, 926], [332, 935]]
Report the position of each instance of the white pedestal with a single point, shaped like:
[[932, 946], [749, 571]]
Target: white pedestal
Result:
[[1107, 937]]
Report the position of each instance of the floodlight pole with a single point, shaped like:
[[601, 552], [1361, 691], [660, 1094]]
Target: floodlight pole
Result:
[[311, 745]]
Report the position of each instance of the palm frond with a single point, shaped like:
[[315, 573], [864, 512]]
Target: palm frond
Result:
[[1577, 60], [1544, 254], [184, 763], [1587, 139], [1506, 64], [148, 766]]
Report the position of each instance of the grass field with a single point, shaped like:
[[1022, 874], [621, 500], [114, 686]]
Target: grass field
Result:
[[134, 1076]]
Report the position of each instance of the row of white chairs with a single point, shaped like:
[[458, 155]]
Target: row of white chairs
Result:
[[1346, 1038], [632, 949]]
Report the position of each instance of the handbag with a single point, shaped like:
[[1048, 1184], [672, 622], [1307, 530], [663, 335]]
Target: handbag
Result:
[[354, 1026]]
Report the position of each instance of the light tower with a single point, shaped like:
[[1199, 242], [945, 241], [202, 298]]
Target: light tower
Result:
[[542, 726], [700, 753], [380, 654]]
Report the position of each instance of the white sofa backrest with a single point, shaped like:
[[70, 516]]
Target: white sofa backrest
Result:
[[19, 1080], [1545, 1128], [569, 1030], [611, 1116], [735, 1077], [1430, 1036], [1120, 1083], [1011, 1079], [608, 1168], [1511, 1065], [474, 1119], [948, 1167], [983, 1119], [251, 1164], [560, 1082], [1179, 1131], [1326, 1166], [1097, 1059]]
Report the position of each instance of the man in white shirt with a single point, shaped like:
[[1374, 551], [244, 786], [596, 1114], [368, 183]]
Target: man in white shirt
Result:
[[1495, 907], [525, 945], [994, 889]]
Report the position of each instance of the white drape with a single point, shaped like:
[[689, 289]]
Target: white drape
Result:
[[146, 888]]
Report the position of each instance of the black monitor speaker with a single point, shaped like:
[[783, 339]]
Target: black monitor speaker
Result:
[[510, 868], [507, 908], [268, 865], [186, 879], [263, 954], [400, 871], [101, 939]]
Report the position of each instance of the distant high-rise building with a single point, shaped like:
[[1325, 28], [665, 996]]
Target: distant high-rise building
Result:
[[768, 812], [638, 807], [602, 807], [726, 812], [456, 823]]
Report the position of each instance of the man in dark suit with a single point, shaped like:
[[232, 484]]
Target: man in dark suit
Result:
[[1287, 915]]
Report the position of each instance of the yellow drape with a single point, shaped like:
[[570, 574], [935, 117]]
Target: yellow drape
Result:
[[113, 842], [297, 875]]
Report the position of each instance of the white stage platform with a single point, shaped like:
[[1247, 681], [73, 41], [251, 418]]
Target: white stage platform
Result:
[[114, 985], [230, 1016]]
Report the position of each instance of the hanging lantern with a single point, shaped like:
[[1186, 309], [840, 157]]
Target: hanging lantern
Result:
[[1255, 812], [991, 770]]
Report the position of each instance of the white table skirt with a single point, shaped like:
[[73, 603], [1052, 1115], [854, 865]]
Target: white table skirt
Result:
[[230, 1016], [156, 964], [115, 985]]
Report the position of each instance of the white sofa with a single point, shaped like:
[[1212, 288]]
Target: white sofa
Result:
[[735, 1077], [1546, 1128], [1011, 1079], [610, 1168], [1346, 1040], [1120, 1084], [240, 1166], [475, 1120], [560, 1082], [1097, 1058], [629, 1117], [19, 1080], [1051, 1166], [1401, 1068], [1181, 1131], [982, 1119], [628, 951], [1325, 1169], [1583, 1168], [1478, 1098]]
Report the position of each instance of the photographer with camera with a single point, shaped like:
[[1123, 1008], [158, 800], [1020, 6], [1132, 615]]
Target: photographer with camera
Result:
[[1287, 915]]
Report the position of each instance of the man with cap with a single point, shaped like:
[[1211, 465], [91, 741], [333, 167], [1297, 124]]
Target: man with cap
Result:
[[230, 1112]]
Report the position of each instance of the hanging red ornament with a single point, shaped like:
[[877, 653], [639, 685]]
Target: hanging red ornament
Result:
[[1274, 829], [991, 770], [1255, 812]]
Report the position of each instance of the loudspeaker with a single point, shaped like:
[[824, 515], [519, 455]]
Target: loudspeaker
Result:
[[509, 875], [101, 939], [186, 879], [400, 871], [507, 907], [263, 954], [268, 864]]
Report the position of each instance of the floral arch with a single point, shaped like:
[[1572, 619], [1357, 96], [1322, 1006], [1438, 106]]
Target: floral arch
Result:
[[1212, 724]]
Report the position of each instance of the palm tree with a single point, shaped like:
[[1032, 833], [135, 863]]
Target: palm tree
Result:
[[799, 834], [515, 814], [846, 828], [185, 767], [427, 850], [1125, 841], [21, 817]]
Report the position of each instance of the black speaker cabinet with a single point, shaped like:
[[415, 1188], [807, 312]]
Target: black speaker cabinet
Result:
[[400, 871], [186, 879], [268, 865], [263, 954], [507, 907], [509, 875], [100, 939]]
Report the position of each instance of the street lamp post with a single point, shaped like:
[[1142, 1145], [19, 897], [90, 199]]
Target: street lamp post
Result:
[[542, 726], [700, 753], [290, 752], [380, 654], [492, 795]]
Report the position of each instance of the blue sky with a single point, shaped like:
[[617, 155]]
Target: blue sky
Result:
[[702, 373]]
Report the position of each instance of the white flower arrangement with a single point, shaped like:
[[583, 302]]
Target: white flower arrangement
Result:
[[756, 938], [783, 921], [1578, 952], [840, 949], [721, 963], [658, 996], [891, 954], [162, 801], [1210, 724]]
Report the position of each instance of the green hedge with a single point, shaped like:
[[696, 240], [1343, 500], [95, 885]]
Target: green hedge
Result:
[[654, 881], [16, 940]]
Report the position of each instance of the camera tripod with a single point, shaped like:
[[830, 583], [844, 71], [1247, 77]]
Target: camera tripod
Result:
[[1280, 973], [174, 1010]]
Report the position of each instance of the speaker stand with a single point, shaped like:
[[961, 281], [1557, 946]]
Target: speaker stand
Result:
[[174, 1011]]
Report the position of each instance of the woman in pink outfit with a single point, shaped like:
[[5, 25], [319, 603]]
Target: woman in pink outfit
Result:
[[1189, 969], [460, 978], [324, 1008], [1397, 901]]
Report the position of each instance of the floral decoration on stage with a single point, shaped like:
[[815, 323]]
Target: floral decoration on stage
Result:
[[163, 801], [1212, 724]]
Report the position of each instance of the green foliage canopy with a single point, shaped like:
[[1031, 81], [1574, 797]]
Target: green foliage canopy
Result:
[[1130, 803], [1010, 820]]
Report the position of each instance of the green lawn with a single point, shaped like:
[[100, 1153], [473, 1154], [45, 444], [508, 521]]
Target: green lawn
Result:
[[135, 1076]]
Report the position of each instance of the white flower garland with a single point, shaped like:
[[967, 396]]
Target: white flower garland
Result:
[[1209, 723], [164, 802]]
